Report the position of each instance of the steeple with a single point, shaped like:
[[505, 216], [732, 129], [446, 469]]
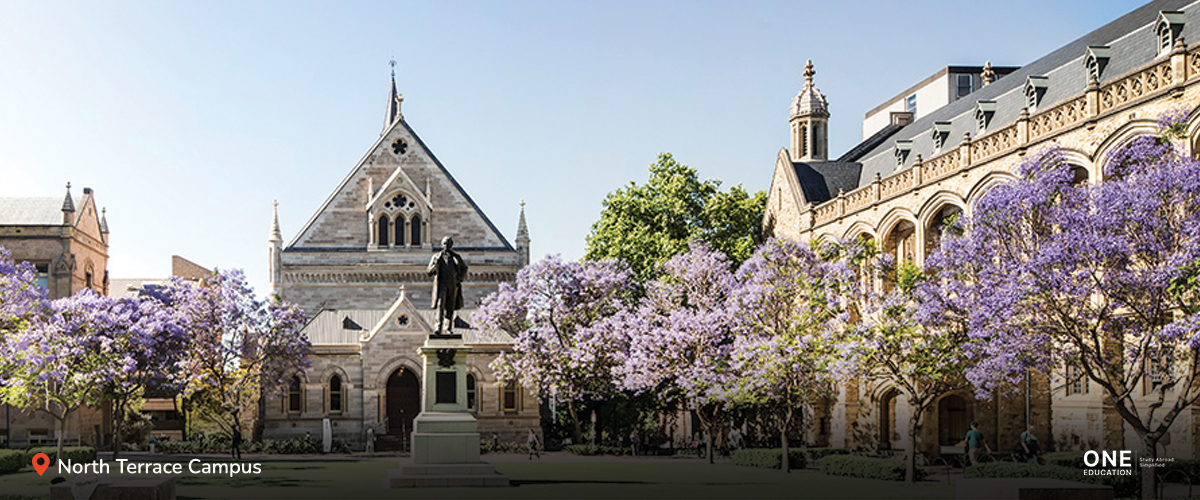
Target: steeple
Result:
[[809, 121], [68, 207], [275, 253], [104, 220], [523, 237], [393, 104]]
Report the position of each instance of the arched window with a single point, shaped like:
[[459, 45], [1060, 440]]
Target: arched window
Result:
[[471, 395], [416, 230], [510, 396], [1079, 175], [803, 140], [399, 230], [295, 398], [384, 231], [335, 394]]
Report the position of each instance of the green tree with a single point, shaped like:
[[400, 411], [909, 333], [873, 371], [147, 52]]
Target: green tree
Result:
[[644, 225]]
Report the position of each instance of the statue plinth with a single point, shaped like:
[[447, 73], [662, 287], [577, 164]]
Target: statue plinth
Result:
[[445, 435]]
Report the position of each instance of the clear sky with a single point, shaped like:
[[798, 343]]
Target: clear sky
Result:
[[188, 119]]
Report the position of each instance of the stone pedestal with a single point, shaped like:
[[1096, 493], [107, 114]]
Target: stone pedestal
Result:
[[445, 436]]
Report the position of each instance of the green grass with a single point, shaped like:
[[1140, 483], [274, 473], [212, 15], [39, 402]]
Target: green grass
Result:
[[584, 480]]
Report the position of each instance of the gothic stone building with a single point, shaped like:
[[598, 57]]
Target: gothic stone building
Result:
[[358, 269], [66, 240], [913, 172]]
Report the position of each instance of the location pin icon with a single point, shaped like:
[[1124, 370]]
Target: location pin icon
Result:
[[40, 463]]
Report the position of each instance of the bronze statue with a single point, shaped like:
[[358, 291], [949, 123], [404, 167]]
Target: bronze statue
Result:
[[448, 270]]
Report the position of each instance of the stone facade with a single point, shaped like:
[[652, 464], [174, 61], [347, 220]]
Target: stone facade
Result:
[[359, 265], [66, 239], [1087, 114]]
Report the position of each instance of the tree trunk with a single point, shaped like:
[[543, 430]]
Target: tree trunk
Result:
[[118, 418], [783, 434], [578, 431], [910, 468], [706, 424], [1149, 479], [62, 429]]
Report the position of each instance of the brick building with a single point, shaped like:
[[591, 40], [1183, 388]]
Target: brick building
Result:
[[911, 174], [358, 269], [66, 240]]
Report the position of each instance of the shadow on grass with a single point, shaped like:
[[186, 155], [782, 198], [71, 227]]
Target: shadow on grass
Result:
[[570, 481], [256, 482]]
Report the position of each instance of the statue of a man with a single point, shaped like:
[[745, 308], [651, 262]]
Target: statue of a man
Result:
[[448, 269]]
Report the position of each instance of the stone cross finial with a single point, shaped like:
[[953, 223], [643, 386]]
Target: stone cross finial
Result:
[[989, 74], [809, 72], [392, 63]]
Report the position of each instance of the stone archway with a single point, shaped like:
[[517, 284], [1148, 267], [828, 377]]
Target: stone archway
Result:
[[889, 437], [403, 401]]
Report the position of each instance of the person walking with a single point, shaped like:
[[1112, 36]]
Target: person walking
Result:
[[633, 442], [1029, 442], [236, 450], [974, 441], [532, 442]]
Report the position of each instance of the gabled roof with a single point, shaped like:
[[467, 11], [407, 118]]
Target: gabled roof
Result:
[[400, 122], [32, 211]]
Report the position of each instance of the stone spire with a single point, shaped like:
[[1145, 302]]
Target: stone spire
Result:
[[68, 207], [275, 253], [523, 237], [393, 104], [988, 75], [104, 220], [276, 235]]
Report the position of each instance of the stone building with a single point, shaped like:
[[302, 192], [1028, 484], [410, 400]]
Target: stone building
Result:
[[66, 240], [358, 269], [902, 182]]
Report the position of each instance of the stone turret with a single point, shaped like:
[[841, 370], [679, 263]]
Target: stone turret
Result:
[[68, 208], [810, 121]]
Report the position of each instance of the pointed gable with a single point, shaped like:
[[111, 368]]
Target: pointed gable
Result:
[[399, 162]]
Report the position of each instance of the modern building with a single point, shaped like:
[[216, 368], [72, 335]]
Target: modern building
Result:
[[66, 240], [939, 89], [358, 269], [907, 177]]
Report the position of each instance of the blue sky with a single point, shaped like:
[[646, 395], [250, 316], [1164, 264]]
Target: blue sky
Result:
[[188, 119]]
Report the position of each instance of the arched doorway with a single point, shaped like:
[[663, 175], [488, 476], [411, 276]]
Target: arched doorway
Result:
[[954, 419], [403, 402], [889, 438]]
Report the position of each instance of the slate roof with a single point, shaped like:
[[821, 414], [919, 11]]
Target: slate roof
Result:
[[1133, 45], [32, 211], [821, 181], [346, 326]]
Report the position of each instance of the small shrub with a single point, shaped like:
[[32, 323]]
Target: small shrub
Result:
[[72, 453], [868, 468], [489, 447], [1070, 459], [769, 458], [591, 449], [1123, 486], [12, 461]]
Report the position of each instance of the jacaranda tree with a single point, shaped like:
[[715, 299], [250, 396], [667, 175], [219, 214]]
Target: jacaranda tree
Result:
[[558, 314], [890, 347], [1100, 277], [793, 310], [59, 363], [241, 347], [681, 336]]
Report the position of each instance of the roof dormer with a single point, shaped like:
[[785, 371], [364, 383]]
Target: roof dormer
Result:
[[939, 132], [1168, 28], [984, 111], [1035, 90], [901, 150], [1096, 60]]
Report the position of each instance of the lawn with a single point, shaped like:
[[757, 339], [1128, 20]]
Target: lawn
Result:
[[585, 480]]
